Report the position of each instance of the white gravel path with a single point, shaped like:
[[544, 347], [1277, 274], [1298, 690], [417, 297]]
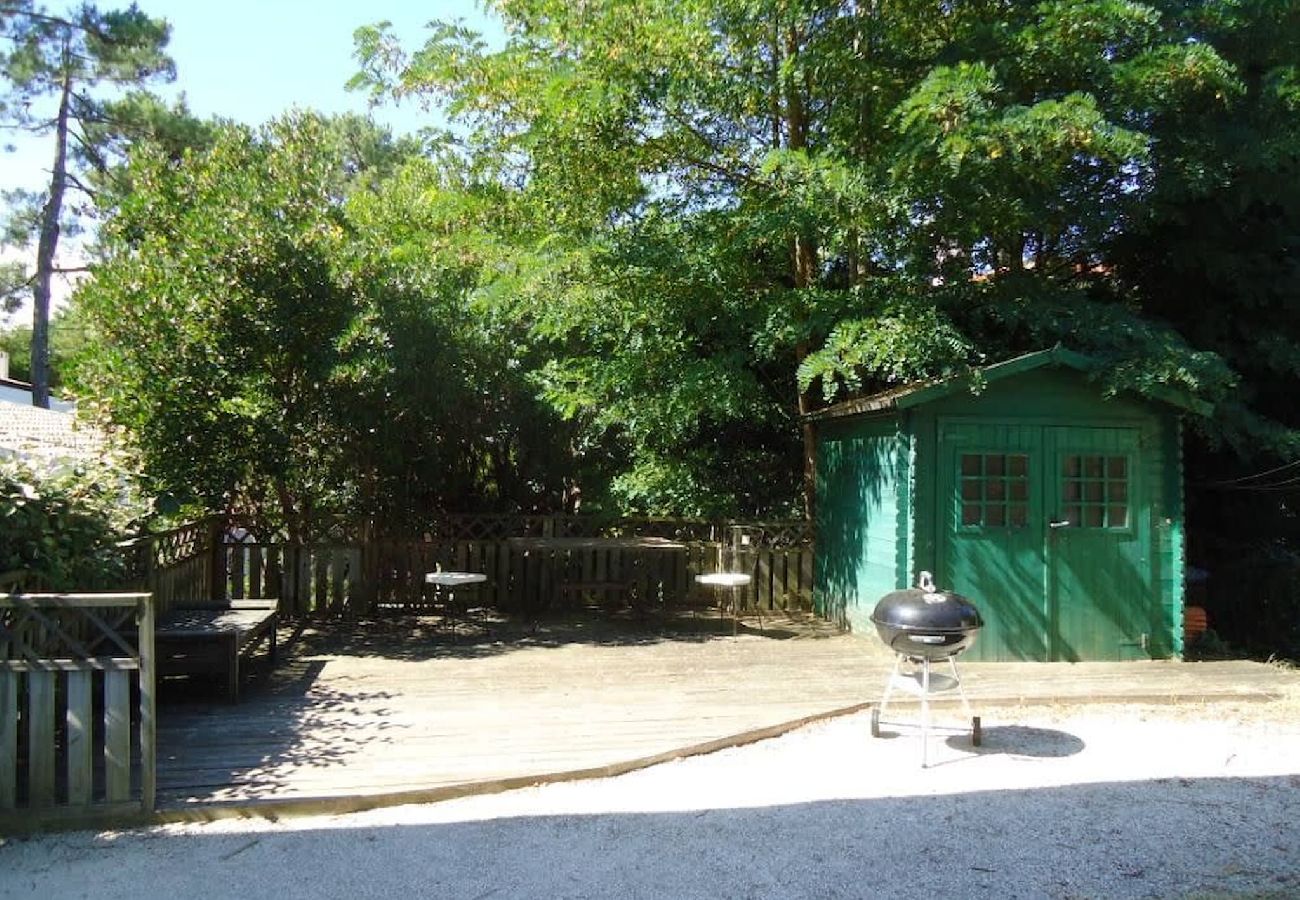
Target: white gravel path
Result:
[[1085, 802]]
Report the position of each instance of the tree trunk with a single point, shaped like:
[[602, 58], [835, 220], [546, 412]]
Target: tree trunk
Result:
[[805, 263], [805, 272], [47, 245]]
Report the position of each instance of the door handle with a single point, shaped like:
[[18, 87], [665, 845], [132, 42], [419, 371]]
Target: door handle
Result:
[[1062, 523]]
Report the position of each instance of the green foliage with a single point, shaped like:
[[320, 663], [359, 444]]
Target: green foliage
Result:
[[901, 342], [722, 213], [62, 529], [654, 354], [282, 337], [221, 317], [52, 64], [69, 335]]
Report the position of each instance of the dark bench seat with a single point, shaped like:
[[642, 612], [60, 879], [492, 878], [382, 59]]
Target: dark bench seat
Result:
[[214, 640]]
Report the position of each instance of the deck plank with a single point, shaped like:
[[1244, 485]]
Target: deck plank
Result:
[[402, 706]]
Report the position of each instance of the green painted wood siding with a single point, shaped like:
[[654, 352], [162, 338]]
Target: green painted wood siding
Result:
[[863, 507], [1170, 541], [886, 511]]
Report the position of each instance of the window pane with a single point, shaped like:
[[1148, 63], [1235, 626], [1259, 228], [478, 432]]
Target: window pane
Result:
[[1073, 493], [1019, 490], [994, 464], [1072, 467], [970, 514], [1092, 466], [1019, 513], [995, 516], [1074, 515], [1092, 491], [970, 464], [970, 489], [1093, 516], [1117, 467], [1117, 492], [1118, 517], [996, 490], [1018, 465]]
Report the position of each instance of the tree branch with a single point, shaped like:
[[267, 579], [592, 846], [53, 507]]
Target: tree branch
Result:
[[707, 165], [81, 186]]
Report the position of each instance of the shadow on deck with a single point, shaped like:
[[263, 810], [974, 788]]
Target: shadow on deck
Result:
[[398, 710]]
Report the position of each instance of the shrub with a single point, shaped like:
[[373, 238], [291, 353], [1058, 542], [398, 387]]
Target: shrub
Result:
[[63, 529]]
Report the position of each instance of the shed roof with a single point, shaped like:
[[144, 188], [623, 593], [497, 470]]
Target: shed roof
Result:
[[921, 392]]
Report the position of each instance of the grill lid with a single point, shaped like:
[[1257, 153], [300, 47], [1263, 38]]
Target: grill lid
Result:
[[925, 608]]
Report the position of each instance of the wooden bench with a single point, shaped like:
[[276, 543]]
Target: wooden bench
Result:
[[215, 639]]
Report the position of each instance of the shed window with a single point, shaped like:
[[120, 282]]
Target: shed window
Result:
[[1095, 489], [994, 490]]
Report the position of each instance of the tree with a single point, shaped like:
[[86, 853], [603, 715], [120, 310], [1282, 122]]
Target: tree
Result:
[[69, 336], [279, 337], [62, 59], [62, 528], [1214, 251], [884, 191]]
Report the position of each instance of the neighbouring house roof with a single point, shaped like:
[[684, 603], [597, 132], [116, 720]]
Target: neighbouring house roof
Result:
[[47, 436], [12, 391], [921, 392]]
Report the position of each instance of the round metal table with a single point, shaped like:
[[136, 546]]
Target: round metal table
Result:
[[735, 581], [448, 582]]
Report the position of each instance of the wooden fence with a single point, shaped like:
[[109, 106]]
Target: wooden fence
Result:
[[355, 574], [76, 707], [176, 566]]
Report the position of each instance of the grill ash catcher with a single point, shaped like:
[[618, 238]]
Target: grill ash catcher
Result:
[[924, 625]]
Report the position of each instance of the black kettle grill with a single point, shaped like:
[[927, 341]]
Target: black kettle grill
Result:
[[924, 625]]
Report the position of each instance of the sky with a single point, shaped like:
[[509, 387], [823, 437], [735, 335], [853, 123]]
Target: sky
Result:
[[251, 60]]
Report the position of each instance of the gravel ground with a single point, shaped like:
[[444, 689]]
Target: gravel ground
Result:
[[1189, 801]]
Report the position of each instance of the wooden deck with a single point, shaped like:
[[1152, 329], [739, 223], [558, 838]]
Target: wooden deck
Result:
[[403, 705]]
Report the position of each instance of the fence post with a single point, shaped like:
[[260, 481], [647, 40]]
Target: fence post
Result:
[[145, 620], [150, 546], [216, 561]]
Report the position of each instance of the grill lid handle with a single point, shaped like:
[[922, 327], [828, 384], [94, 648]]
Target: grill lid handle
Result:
[[931, 593]]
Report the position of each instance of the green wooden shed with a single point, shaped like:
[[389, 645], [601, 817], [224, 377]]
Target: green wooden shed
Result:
[[1057, 509]]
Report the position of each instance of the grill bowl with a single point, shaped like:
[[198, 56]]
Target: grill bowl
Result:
[[926, 624]]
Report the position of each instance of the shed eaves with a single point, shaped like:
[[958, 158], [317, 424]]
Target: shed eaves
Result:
[[917, 393]]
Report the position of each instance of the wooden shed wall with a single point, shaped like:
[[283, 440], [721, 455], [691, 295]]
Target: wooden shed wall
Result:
[[1046, 396], [863, 517], [1062, 397], [1170, 533]]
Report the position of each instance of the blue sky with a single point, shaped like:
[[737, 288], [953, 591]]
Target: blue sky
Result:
[[251, 60]]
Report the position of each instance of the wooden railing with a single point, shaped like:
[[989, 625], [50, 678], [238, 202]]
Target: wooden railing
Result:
[[175, 566], [358, 574], [73, 744]]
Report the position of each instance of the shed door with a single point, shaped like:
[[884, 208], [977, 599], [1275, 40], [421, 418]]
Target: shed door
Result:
[[1099, 561], [1041, 527]]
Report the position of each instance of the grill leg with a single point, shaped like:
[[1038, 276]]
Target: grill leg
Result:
[[925, 713], [889, 684], [976, 732], [952, 664]]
